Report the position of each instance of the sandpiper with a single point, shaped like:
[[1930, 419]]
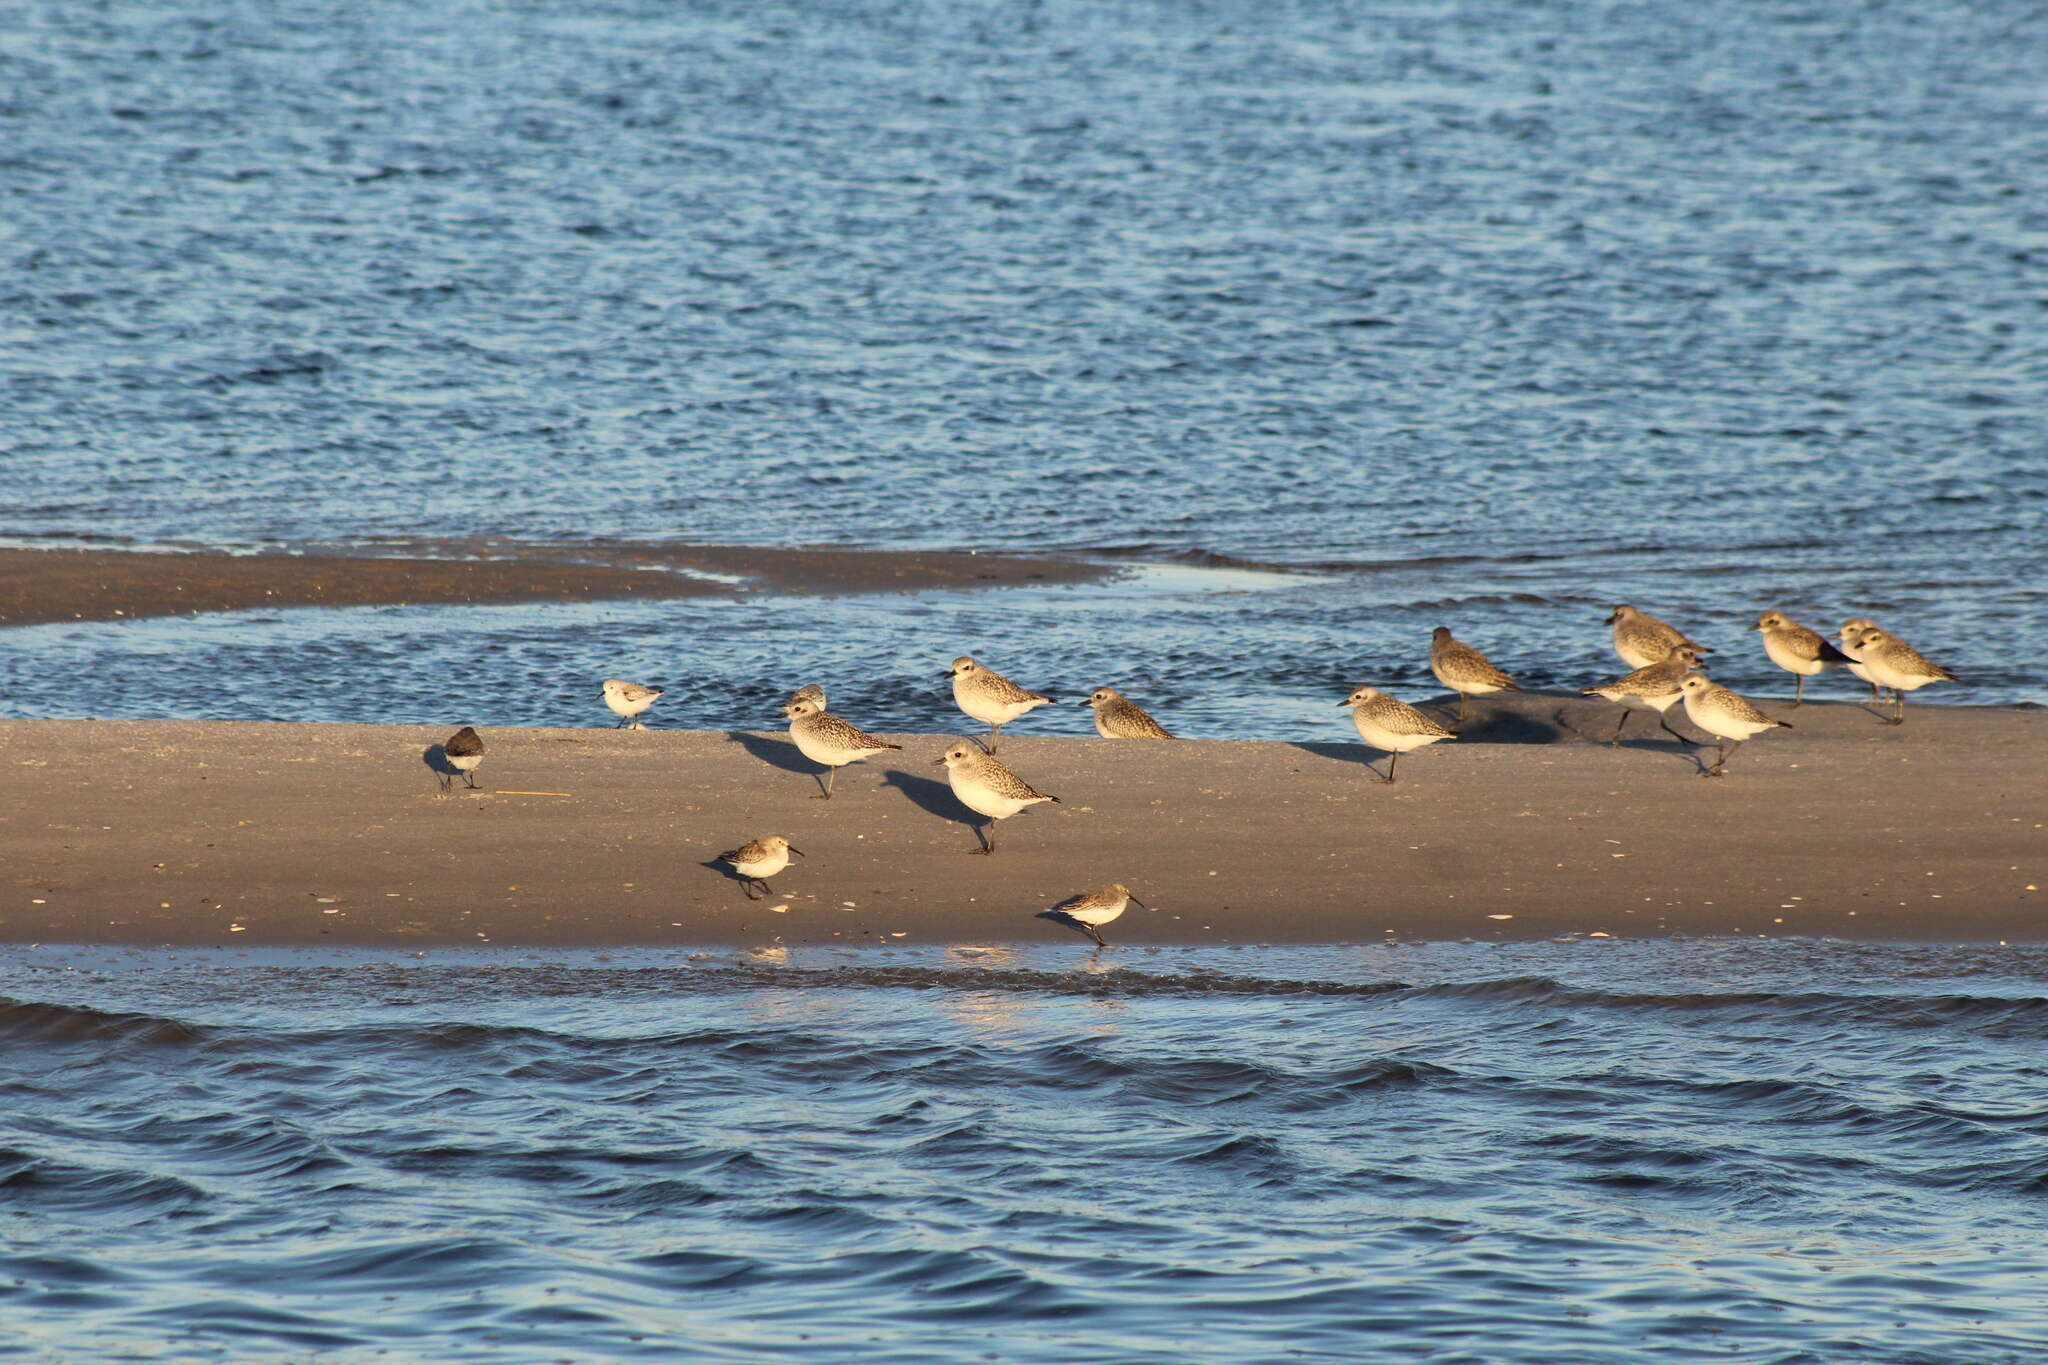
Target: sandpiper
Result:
[[759, 859], [988, 788], [629, 699], [1464, 669], [1655, 688], [1118, 717], [1851, 637], [464, 750], [1097, 907], [1391, 725], [1895, 664], [986, 695], [1729, 718], [1797, 650], [1641, 639], [825, 738]]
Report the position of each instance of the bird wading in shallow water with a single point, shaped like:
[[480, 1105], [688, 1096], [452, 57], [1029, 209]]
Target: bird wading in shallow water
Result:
[[986, 787], [988, 696], [1391, 725]]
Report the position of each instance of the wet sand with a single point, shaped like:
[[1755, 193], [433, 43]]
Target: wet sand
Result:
[[177, 832], [44, 585]]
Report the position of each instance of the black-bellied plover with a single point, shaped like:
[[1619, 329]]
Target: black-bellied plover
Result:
[[1895, 664], [1729, 718], [759, 859], [1390, 725], [464, 750], [1092, 909], [1118, 717], [825, 738], [988, 788], [1797, 650], [1851, 637], [987, 696], [1655, 688], [629, 699], [1464, 669], [1641, 639], [809, 692]]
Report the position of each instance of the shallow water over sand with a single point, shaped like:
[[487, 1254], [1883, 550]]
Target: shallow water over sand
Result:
[[1712, 1150]]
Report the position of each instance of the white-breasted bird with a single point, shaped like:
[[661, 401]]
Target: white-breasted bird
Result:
[[1641, 639], [1652, 688], [629, 699], [1118, 717], [1464, 669], [824, 738], [986, 787], [1092, 909], [987, 696], [1893, 663], [1729, 718], [1391, 725], [1799, 651], [759, 859]]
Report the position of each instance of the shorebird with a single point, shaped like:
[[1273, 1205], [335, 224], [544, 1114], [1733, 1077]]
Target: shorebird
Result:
[[988, 788], [1641, 639], [464, 750], [759, 859], [1724, 715], [1655, 688], [1895, 664], [1392, 725], [1851, 637], [1797, 650], [1464, 669], [1118, 717], [1097, 907], [629, 699], [810, 692], [988, 696], [825, 738]]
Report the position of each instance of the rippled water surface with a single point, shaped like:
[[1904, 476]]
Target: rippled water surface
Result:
[[1489, 313], [1695, 1150]]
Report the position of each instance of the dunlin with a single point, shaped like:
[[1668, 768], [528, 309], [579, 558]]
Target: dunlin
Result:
[[1092, 909], [759, 859]]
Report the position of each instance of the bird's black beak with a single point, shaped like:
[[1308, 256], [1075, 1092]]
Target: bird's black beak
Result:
[[1140, 904], [1345, 702], [938, 763], [798, 852]]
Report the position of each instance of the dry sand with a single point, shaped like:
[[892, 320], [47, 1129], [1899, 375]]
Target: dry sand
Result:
[[176, 832], [44, 585]]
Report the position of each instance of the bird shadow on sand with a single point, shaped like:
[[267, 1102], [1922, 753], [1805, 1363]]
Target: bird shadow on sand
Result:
[[732, 874], [1063, 918], [435, 757], [933, 798], [777, 753]]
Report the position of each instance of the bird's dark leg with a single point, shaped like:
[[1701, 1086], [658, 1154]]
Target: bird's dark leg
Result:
[[1898, 696], [622, 723], [987, 838], [1392, 759], [469, 779], [1799, 692], [995, 735], [1619, 728], [447, 781], [1665, 721], [1095, 934], [826, 783], [1463, 702]]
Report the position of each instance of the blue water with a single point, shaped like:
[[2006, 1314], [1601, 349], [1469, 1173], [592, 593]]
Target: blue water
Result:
[[1493, 314], [1596, 1152], [1333, 324]]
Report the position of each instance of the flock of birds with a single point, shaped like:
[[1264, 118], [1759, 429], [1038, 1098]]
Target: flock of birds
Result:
[[1667, 672]]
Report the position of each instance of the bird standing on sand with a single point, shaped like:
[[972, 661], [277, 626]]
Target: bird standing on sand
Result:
[[1464, 669], [1641, 639], [1729, 718], [464, 750], [1118, 717], [759, 859], [1097, 907], [988, 696], [1391, 725], [1893, 663], [1655, 688], [629, 699], [825, 738], [1851, 637], [988, 788], [1797, 650]]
